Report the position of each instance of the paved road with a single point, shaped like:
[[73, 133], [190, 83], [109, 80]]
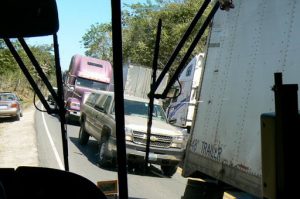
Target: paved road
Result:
[[82, 160], [19, 146]]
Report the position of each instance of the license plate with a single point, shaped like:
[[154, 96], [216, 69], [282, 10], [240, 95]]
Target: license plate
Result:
[[2, 107], [152, 156]]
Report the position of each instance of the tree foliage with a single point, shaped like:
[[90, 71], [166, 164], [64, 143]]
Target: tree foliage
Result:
[[139, 22], [12, 78], [98, 41]]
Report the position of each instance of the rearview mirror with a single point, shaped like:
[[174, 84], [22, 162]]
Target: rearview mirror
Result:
[[28, 18]]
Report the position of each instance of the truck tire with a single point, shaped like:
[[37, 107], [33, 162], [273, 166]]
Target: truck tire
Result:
[[169, 170], [102, 148], [83, 136]]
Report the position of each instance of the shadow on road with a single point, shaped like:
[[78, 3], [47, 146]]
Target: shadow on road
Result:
[[91, 151], [7, 119], [68, 121], [72, 122]]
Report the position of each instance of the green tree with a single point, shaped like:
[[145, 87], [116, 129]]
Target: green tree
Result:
[[43, 53], [98, 41], [139, 31], [45, 57], [12, 78]]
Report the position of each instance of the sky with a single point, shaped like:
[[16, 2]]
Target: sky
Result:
[[75, 18]]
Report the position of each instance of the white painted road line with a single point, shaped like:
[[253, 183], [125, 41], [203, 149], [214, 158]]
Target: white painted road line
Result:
[[60, 164]]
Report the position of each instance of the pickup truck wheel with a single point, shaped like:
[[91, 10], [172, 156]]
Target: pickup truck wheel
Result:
[[102, 159], [83, 136], [169, 170]]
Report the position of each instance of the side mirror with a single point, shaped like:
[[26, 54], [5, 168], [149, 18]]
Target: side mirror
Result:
[[28, 18]]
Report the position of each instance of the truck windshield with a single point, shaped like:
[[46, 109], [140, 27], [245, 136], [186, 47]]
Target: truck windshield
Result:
[[90, 84], [141, 109]]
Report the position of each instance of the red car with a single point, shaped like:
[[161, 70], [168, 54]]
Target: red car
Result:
[[10, 105]]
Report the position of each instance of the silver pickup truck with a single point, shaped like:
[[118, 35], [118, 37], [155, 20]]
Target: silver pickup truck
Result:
[[167, 143]]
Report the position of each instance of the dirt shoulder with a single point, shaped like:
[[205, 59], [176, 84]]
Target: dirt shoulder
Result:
[[18, 146]]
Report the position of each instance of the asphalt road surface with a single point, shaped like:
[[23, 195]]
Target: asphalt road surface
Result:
[[82, 160], [35, 140]]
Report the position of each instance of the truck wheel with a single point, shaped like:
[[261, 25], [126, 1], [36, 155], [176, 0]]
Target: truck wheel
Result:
[[102, 158], [83, 136], [169, 170]]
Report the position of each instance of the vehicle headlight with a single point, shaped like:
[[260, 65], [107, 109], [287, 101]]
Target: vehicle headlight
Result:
[[176, 145], [178, 139], [128, 134]]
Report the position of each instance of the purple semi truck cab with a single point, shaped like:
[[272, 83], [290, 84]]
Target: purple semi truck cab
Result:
[[84, 75]]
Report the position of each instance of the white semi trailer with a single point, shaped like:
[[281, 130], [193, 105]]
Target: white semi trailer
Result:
[[247, 45], [180, 112], [137, 80]]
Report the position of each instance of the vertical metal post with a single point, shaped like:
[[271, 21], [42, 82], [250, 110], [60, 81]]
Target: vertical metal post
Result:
[[278, 135], [151, 94], [119, 97], [286, 130], [62, 110]]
